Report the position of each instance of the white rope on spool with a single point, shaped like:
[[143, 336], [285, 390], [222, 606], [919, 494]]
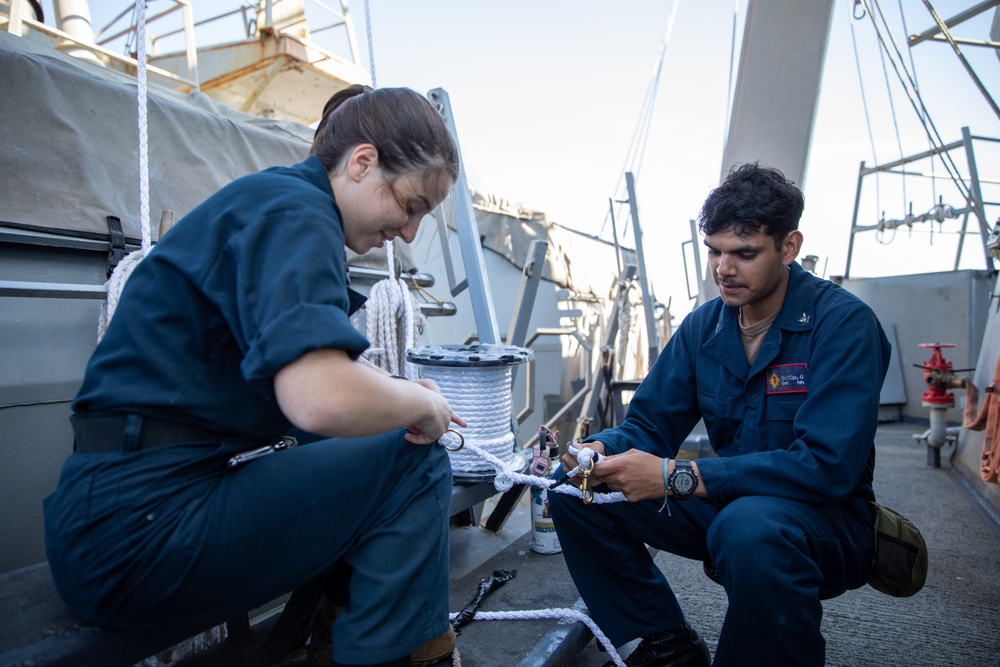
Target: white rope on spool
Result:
[[483, 397], [476, 380]]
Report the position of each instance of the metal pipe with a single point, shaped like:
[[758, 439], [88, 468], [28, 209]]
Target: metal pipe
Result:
[[73, 18], [937, 435]]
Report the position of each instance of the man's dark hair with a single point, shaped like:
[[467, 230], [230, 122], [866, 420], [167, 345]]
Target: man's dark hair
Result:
[[753, 197]]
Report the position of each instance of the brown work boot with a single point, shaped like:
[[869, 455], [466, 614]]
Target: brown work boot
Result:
[[435, 650]]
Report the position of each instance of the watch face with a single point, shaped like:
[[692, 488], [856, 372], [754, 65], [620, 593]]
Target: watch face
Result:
[[683, 483]]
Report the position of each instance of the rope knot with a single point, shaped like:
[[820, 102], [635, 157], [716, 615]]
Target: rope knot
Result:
[[503, 482]]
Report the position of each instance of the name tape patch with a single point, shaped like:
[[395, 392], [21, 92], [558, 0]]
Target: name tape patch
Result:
[[788, 379]]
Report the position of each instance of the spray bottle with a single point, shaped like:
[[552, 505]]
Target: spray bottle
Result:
[[546, 458]]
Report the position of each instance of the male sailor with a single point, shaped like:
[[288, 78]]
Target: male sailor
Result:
[[785, 369]]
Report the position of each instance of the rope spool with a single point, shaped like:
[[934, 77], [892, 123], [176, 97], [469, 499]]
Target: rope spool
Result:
[[476, 380]]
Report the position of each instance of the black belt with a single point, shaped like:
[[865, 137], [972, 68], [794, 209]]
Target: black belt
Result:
[[108, 434]]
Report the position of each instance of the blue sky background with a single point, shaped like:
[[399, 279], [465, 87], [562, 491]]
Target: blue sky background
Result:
[[547, 95]]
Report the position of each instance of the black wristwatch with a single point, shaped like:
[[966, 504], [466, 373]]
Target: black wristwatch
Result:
[[683, 481]]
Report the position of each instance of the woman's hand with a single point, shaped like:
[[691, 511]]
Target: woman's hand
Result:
[[430, 429], [328, 393]]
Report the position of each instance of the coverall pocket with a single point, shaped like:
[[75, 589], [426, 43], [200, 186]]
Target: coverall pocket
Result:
[[780, 413], [717, 411]]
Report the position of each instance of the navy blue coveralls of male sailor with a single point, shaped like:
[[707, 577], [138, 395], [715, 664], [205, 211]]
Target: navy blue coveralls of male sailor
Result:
[[785, 369], [147, 534]]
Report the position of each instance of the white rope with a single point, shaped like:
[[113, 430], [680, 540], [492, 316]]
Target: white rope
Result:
[[393, 321], [505, 479], [624, 329], [482, 395], [143, 124], [507, 476], [564, 615], [116, 283], [371, 46]]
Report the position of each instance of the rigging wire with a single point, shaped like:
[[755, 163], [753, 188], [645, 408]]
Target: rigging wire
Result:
[[637, 146], [922, 113], [965, 63], [925, 119], [916, 83], [371, 47], [892, 104], [864, 104]]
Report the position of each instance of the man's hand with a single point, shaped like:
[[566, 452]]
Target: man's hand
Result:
[[637, 474]]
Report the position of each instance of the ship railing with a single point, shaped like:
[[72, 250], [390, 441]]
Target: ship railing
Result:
[[15, 22], [258, 19]]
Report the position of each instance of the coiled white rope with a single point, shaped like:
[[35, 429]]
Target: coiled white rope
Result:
[[482, 395], [392, 323], [564, 615], [116, 283]]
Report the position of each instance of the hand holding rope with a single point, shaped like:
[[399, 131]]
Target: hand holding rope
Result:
[[461, 440]]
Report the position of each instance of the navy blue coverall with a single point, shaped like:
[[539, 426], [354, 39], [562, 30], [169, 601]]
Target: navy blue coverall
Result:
[[787, 520], [245, 284]]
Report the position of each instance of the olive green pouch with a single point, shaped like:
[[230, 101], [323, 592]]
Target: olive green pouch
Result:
[[900, 564]]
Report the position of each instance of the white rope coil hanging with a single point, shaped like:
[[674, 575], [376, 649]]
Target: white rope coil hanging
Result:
[[393, 322]]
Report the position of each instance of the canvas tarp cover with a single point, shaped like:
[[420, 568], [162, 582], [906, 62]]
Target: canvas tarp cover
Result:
[[69, 158], [69, 145]]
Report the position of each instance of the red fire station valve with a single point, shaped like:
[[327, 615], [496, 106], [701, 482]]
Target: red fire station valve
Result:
[[939, 376]]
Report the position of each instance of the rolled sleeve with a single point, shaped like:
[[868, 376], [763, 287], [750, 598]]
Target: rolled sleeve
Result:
[[304, 328]]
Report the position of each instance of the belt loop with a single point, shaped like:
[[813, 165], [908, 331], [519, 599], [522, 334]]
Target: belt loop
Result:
[[130, 434]]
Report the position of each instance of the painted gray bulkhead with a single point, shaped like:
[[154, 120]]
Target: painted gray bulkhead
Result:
[[45, 346], [944, 307], [959, 307]]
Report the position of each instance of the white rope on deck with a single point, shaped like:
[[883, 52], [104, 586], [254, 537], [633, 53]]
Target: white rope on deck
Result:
[[564, 615], [505, 479]]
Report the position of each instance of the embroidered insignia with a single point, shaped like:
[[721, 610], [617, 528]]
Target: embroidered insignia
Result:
[[788, 379], [804, 319]]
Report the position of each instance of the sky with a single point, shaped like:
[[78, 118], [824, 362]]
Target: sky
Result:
[[547, 95]]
